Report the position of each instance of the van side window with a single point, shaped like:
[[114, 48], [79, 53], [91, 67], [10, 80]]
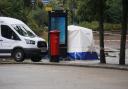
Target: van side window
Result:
[[8, 33]]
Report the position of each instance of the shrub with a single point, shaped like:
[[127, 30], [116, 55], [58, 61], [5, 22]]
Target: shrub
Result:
[[94, 25]]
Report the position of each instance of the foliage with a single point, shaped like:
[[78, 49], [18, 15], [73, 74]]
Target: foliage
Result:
[[113, 11], [88, 10], [34, 16], [94, 25], [83, 12]]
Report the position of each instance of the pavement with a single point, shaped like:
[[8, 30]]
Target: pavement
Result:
[[75, 63]]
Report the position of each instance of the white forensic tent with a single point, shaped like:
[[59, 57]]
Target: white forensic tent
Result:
[[81, 43]]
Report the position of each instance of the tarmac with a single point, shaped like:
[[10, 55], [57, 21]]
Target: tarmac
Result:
[[75, 63], [60, 76]]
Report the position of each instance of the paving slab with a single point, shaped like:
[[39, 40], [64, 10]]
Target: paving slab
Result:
[[75, 63]]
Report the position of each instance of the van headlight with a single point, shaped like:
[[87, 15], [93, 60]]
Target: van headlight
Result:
[[29, 41]]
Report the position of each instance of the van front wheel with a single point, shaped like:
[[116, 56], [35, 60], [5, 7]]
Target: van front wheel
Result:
[[18, 55], [36, 59]]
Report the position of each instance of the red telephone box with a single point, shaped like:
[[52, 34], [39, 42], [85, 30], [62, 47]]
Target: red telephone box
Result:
[[54, 45]]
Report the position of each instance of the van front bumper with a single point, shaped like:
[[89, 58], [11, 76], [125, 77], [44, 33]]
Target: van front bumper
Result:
[[30, 52]]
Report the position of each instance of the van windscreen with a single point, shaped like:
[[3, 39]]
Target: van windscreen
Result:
[[22, 30]]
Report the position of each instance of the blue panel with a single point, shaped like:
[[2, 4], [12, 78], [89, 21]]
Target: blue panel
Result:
[[83, 55], [58, 23]]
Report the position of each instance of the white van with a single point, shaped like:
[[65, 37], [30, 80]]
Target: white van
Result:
[[17, 40]]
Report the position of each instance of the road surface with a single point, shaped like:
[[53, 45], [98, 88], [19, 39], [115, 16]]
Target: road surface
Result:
[[34, 76]]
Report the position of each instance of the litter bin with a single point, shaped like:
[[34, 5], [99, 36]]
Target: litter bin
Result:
[[54, 46]]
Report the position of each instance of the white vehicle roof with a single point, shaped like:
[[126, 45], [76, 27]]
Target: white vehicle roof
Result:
[[8, 20]]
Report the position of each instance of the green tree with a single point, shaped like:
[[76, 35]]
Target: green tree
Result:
[[87, 10], [22, 9], [71, 6], [15, 9], [113, 11]]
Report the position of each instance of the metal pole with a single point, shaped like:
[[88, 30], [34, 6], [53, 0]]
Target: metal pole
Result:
[[124, 32]]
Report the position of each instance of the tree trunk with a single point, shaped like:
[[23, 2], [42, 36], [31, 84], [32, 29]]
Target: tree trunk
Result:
[[124, 32], [101, 32]]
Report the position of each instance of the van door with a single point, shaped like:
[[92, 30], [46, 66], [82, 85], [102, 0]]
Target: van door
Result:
[[0, 41], [0, 45], [8, 38]]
